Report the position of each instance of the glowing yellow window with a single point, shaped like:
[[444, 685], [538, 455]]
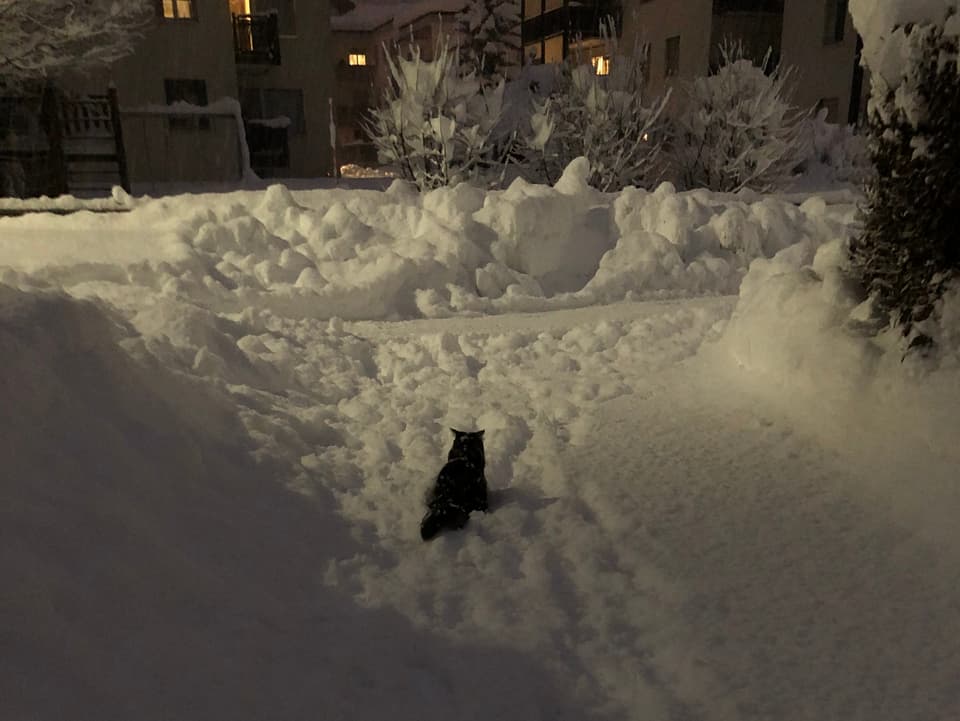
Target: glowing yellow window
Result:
[[601, 65], [178, 9], [357, 59]]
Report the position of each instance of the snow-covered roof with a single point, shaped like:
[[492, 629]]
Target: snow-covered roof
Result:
[[371, 14]]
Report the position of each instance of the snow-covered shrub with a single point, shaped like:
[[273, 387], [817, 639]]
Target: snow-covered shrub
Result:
[[604, 118], [490, 37], [436, 121], [736, 129], [837, 153], [908, 254]]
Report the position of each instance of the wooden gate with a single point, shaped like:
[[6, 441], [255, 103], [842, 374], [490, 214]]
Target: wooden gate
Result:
[[91, 140]]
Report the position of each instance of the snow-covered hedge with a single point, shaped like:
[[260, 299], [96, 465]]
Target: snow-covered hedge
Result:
[[908, 256]]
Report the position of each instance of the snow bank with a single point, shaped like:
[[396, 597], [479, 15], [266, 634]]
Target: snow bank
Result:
[[802, 328], [400, 254], [149, 553]]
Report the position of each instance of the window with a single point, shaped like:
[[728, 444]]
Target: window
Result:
[[270, 103], [187, 90], [672, 59], [601, 65], [834, 21], [178, 10], [357, 59], [286, 15]]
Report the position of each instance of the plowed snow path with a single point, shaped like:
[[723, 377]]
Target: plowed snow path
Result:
[[685, 551], [804, 595]]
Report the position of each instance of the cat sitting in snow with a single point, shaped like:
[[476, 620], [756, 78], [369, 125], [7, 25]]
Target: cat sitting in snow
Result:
[[460, 487]]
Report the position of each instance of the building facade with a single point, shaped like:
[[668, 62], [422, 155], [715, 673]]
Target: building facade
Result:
[[816, 37], [361, 41], [551, 30], [269, 55], [682, 40]]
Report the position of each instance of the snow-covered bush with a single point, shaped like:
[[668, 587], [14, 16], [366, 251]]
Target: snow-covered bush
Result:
[[837, 153], [604, 118], [736, 129], [908, 254], [43, 38], [490, 37], [436, 122]]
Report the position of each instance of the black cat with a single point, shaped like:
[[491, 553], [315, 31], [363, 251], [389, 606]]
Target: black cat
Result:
[[460, 488]]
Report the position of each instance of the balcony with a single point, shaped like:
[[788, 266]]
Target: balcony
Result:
[[256, 39], [573, 20]]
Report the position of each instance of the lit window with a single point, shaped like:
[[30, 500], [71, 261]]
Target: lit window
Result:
[[179, 9], [601, 65], [357, 59]]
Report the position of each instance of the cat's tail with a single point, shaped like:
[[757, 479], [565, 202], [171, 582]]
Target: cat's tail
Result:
[[430, 526]]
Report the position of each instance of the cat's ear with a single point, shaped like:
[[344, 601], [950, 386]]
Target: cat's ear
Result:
[[479, 433], [456, 432]]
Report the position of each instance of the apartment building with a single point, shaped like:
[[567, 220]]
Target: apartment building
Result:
[[361, 38], [815, 36], [551, 30], [270, 55], [682, 41]]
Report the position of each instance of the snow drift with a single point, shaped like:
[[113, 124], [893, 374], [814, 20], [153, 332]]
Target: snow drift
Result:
[[369, 255]]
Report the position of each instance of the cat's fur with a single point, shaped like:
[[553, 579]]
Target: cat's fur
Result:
[[460, 488]]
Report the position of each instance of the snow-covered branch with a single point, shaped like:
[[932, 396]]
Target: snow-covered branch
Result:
[[43, 38]]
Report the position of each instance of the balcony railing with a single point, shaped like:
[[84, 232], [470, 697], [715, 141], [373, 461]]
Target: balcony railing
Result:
[[573, 20], [256, 39]]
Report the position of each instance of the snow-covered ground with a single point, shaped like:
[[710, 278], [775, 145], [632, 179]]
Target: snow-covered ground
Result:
[[715, 495]]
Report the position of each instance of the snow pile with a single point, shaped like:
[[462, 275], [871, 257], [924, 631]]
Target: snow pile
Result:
[[400, 254], [801, 323], [146, 555]]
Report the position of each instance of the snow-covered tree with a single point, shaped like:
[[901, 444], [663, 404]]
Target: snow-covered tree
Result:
[[736, 129], [436, 123], [43, 38], [603, 117], [489, 32], [909, 252]]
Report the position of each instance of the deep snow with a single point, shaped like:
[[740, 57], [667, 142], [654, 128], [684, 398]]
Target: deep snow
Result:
[[221, 413]]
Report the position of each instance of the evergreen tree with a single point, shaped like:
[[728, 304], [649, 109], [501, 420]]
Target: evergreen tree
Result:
[[909, 251], [489, 32]]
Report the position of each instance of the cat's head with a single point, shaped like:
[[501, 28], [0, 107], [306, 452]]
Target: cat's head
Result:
[[467, 444]]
